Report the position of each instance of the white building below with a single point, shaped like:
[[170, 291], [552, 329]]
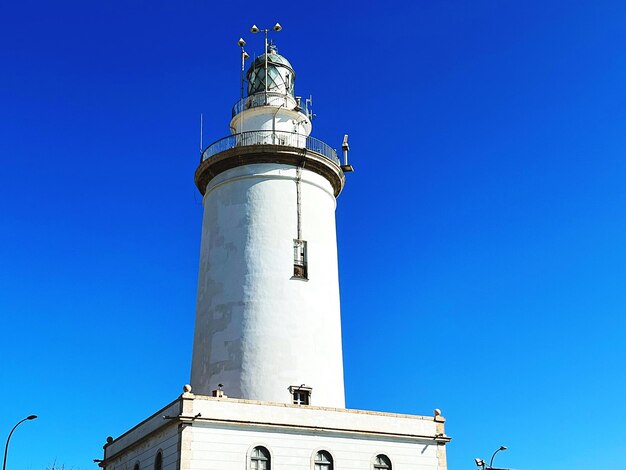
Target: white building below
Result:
[[197, 432]]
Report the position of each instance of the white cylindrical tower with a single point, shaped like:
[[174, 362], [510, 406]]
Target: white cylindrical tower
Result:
[[268, 319]]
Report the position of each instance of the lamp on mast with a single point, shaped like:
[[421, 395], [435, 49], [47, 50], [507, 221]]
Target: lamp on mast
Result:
[[254, 29], [244, 57]]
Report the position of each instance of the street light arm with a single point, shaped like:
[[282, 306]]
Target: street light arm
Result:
[[494, 454], [6, 447]]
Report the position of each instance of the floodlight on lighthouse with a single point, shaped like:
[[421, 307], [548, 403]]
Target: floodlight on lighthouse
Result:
[[255, 29], [244, 57]]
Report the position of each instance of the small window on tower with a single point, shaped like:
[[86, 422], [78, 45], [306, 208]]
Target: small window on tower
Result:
[[300, 259], [301, 394]]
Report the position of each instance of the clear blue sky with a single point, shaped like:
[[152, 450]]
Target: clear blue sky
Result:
[[481, 240]]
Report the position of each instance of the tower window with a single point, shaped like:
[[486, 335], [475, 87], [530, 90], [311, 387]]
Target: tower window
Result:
[[382, 462], [136, 467], [300, 259], [158, 461], [323, 461], [301, 394], [260, 459]]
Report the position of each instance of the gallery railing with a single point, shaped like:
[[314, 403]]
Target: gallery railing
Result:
[[269, 137]]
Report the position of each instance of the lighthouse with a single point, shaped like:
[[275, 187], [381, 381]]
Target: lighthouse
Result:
[[268, 318], [266, 390]]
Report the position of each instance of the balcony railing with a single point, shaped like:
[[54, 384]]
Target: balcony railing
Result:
[[264, 99], [269, 137]]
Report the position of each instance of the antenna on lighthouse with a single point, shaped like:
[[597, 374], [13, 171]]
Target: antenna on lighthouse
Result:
[[201, 133], [308, 103]]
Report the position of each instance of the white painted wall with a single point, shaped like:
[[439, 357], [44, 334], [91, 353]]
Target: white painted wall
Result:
[[144, 451], [141, 443], [207, 433], [227, 448], [294, 434], [271, 118], [334, 419], [257, 330]]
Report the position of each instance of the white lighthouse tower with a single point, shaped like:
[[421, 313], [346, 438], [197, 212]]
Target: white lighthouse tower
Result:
[[268, 319], [267, 387]]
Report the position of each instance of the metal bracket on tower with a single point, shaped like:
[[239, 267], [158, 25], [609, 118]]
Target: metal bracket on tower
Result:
[[308, 105], [346, 167]]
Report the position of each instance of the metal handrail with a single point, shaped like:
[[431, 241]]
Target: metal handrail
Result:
[[269, 137], [270, 98]]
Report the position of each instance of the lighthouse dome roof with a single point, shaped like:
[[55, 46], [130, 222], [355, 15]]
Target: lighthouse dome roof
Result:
[[274, 57], [280, 73]]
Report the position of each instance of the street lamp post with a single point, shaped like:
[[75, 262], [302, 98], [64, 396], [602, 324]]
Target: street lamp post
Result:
[[494, 454], [6, 448], [480, 463]]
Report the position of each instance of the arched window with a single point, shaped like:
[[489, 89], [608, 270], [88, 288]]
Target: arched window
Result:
[[136, 467], [260, 459], [323, 461], [382, 462], [158, 461]]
